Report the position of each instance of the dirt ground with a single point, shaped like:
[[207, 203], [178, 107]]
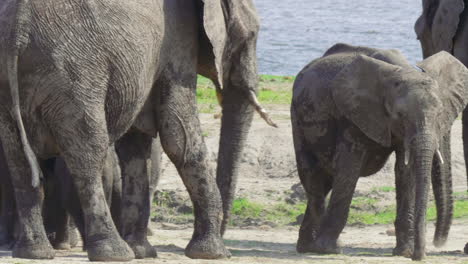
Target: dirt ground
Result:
[[248, 246], [268, 170]]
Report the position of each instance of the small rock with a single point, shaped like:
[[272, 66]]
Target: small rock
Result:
[[390, 232], [264, 227]]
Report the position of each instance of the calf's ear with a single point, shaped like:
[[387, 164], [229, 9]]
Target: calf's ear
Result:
[[359, 94], [452, 77]]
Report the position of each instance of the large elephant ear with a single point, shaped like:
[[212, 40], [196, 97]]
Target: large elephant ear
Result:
[[445, 24], [215, 28], [358, 92], [231, 27], [452, 77]]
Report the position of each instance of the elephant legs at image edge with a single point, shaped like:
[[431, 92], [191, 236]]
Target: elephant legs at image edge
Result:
[[32, 242], [182, 141], [134, 149], [348, 166], [317, 185], [8, 214], [465, 138]]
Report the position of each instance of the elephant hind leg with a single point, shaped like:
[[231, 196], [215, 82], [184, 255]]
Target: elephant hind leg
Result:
[[182, 141], [317, 184], [32, 242], [84, 145]]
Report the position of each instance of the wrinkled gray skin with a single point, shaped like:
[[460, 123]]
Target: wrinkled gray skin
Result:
[[60, 201], [351, 109], [89, 71], [443, 25], [68, 195]]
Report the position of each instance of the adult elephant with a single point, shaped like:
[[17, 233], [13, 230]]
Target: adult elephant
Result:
[[77, 75], [442, 26], [351, 109]]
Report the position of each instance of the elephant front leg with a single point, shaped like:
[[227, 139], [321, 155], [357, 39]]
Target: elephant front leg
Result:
[[348, 163], [182, 140], [405, 198], [134, 150]]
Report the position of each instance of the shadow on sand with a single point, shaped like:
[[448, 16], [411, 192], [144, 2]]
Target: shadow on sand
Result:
[[249, 248]]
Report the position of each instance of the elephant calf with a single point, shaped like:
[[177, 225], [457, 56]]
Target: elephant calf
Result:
[[351, 109]]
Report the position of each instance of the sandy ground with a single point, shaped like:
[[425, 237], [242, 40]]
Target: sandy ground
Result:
[[361, 245], [268, 170]]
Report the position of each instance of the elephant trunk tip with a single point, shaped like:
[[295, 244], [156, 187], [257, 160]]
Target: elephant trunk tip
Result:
[[260, 110]]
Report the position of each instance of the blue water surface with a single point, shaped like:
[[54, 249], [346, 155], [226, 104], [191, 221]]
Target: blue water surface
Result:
[[293, 32]]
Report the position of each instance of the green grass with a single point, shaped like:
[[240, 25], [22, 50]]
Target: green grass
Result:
[[272, 90], [385, 189], [387, 214], [243, 207], [363, 201], [363, 211], [280, 213]]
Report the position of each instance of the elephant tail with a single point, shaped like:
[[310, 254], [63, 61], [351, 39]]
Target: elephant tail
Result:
[[20, 39]]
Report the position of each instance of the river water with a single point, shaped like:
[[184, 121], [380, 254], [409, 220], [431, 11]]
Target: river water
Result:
[[293, 32]]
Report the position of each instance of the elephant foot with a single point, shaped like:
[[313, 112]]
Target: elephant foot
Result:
[[466, 248], [319, 246], [303, 246], [62, 246], [418, 255], [404, 251], [109, 249], [306, 239], [33, 250], [207, 247], [142, 249]]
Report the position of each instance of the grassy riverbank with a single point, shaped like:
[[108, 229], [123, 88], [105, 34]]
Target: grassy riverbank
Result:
[[366, 209], [272, 90]]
